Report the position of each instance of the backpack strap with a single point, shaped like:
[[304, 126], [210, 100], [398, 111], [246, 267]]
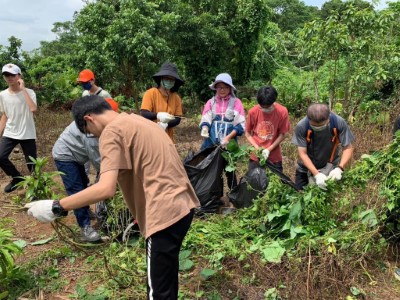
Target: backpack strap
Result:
[[333, 125], [99, 91], [335, 135]]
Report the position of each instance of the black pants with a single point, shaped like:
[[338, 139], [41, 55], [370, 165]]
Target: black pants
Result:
[[163, 259], [301, 179], [7, 145]]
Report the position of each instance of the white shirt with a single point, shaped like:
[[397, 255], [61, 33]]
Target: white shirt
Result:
[[102, 93], [20, 123]]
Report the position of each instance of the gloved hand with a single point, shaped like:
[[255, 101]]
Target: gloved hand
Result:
[[336, 174], [204, 132], [265, 154], [163, 125], [320, 180], [41, 210], [224, 142], [165, 117], [229, 114]]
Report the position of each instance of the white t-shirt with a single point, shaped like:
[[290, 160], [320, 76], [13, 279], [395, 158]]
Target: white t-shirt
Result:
[[20, 124], [102, 93]]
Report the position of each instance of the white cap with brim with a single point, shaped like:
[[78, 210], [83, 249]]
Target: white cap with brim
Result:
[[11, 68], [223, 77]]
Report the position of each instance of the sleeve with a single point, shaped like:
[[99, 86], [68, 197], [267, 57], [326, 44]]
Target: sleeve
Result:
[[32, 94], [115, 154], [1, 104], [93, 152], [206, 118], [105, 94], [147, 101], [148, 114], [239, 122], [299, 136], [346, 137]]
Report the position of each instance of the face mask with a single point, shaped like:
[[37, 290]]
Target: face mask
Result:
[[268, 110], [167, 83], [319, 128], [86, 86]]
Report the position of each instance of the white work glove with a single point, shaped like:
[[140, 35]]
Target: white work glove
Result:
[[224, 142], [163, 125], [41, 210], [265, 153], [229, 114], [204, 132], [336, 174], [320, 180], [165, 117]]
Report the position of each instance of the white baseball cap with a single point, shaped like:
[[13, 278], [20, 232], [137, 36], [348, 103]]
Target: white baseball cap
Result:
[[11, 68], [223, 77]]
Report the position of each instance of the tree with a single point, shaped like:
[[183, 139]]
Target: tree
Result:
[[291, 14], [357, 45]]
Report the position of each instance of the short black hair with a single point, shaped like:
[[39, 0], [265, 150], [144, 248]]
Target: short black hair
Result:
[[267, 95], [318, 112], [92, 104]]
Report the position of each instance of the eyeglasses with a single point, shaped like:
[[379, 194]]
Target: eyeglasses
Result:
[[220, 88], [9, 74]]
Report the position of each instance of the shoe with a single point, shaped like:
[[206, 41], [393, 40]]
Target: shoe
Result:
[[12, 186], [89, 234], [397, 273]]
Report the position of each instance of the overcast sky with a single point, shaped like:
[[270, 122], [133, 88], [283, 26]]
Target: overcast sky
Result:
[[32, 20]]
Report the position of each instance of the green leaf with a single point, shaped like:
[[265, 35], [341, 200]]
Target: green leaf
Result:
[[42, 242], [185, 265], [356, 291], [207, 273], [21, 243], [273, 252]]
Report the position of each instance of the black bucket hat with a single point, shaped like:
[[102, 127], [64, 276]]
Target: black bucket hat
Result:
[[169, 69]]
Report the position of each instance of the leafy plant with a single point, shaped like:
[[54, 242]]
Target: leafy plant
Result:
[[7, 249], [40, 184]]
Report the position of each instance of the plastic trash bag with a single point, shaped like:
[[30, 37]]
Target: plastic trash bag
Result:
[[204, 170], [251, 185]]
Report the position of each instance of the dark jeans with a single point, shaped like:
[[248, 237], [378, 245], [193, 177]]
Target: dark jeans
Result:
[[7, 145], [163, 260], [75, 180]]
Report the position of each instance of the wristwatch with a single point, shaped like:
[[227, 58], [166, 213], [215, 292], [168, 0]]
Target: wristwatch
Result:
[[57, 209]]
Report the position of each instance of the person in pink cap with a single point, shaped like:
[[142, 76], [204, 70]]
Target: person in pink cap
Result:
[[17, 126]]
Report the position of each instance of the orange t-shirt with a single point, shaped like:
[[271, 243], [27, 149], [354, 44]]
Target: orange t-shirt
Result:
[[156, 102], [151, 176]]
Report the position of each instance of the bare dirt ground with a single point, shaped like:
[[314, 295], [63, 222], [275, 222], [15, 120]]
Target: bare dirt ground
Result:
[[50, 124]]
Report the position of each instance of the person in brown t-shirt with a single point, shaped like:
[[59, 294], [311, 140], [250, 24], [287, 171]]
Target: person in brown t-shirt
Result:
[[162, 104], [153, 182]]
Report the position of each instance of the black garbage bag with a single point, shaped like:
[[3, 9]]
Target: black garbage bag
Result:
[[204, 170], [251, 185]]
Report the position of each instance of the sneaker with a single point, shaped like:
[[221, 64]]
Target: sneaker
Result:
[[89, 234], [397, 273], [12, 186]]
